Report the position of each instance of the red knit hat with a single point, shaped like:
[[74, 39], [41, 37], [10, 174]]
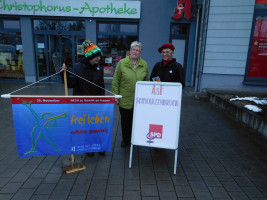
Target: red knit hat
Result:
[[166, 46]]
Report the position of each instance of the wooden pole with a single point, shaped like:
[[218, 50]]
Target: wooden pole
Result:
[[67, 94], [74, 169], [65, 82]]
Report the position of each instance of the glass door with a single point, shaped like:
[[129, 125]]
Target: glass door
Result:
[[41, 55], [57, 41], [54, 56], [60, 49], [179, 38], [51, 52]]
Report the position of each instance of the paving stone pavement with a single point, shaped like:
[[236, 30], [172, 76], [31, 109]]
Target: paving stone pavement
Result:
[[218, 158]]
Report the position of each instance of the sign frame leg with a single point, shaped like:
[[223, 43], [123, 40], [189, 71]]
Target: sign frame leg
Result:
[[131, 156], [175, 161]]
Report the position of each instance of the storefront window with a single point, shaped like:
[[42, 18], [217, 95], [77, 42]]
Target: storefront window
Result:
[[115, 39], [11, 52]]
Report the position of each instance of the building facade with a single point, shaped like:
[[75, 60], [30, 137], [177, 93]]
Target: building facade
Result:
[[213, 39], [233, 45]]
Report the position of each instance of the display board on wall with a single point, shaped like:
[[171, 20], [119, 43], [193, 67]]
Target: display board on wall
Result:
[[258, 57]]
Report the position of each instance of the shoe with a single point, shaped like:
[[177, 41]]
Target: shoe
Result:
[[91, 154], [102, 153], [123, 143]]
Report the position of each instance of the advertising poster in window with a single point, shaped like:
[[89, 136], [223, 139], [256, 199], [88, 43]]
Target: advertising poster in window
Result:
[[258, 58], [261, 1]]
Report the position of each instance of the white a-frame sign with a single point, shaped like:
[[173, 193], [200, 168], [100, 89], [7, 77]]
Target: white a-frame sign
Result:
[[156, 119]]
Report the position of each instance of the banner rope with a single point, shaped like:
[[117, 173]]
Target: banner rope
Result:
[[8, 95], [33, 83], [90, 82]]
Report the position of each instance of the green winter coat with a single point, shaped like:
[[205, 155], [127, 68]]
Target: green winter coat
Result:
[[124, 80]]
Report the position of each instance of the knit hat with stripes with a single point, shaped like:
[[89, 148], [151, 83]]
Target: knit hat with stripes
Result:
[[91, 50]]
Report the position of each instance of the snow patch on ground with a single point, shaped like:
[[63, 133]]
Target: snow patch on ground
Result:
[[253, 108], [253, 99], [256, 100]]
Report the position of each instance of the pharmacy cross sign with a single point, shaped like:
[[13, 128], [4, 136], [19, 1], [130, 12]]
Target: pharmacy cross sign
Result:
[[183, 9]]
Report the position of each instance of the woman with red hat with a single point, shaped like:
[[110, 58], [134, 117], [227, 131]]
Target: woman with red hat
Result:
[[168, 70]]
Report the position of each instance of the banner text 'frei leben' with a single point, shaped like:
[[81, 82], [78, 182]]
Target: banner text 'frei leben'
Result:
[[66, 125]]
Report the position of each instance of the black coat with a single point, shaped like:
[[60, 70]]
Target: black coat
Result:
[[89, 72], [172, 72]]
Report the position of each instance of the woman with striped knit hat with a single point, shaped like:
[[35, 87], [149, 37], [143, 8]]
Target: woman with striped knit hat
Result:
[[89, 69]]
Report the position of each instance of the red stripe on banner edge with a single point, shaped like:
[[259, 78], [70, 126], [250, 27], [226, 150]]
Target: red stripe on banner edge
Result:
[[19, 99]]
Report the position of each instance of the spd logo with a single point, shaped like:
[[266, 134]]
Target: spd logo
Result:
[[155, 132]]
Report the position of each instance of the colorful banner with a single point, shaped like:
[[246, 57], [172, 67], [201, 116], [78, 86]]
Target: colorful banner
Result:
[[62, 125]]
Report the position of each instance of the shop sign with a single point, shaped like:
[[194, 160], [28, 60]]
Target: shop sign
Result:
[[70, 8], [258, 57], [183, 9]]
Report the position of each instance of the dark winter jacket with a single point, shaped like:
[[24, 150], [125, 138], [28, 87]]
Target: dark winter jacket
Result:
[[172, 72], [91, 73]]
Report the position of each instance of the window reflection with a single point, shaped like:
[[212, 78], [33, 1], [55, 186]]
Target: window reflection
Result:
[[128, 28], [59, 25], [103, 27], [79, 54], [11, 52], [12, 24], [178, 30]]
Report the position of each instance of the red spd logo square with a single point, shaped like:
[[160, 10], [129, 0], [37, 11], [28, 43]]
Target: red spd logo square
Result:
[[155, 131]]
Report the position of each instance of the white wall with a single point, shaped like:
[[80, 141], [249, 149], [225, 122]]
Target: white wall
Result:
[[228, 34]]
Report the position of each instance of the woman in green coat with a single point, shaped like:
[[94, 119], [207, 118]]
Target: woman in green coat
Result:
[[128, 71]]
